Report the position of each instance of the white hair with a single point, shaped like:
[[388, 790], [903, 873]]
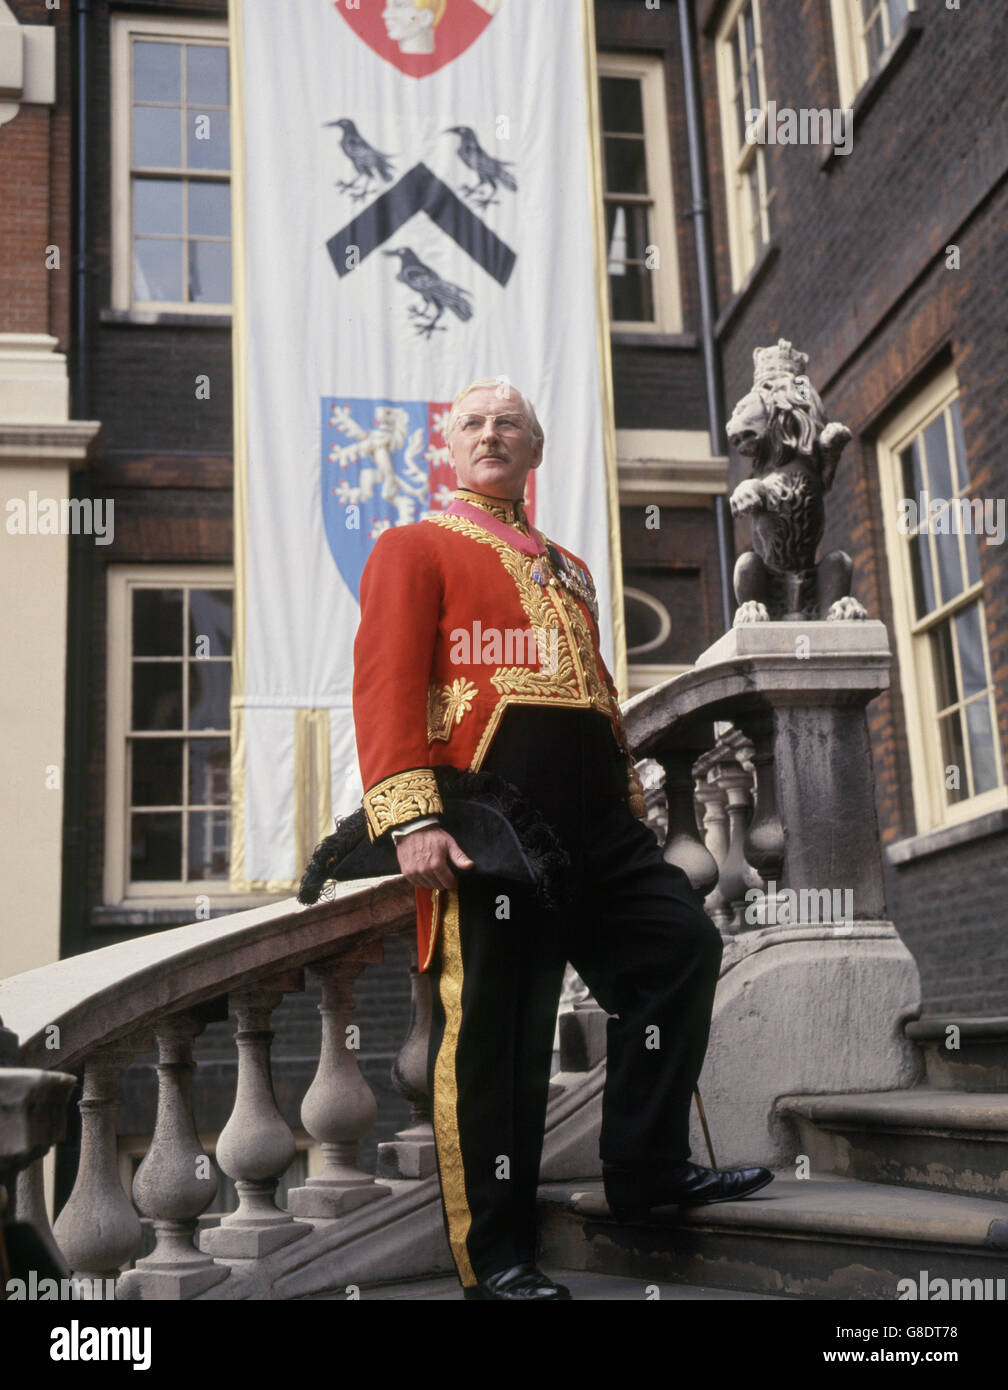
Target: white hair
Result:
[[504, 389]]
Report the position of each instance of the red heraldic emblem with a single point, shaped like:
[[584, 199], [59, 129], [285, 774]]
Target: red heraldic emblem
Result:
[[419, 36]]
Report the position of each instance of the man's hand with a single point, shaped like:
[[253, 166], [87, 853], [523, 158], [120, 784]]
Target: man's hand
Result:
[[426, 858]]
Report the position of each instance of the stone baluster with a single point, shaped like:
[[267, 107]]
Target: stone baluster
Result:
[[256, 1145], [736, 875], [30, 1204], [98, 1231], [176, 1180], [339, 1107], [764, 840], [712, 801], [411, 1154], [683, 846]]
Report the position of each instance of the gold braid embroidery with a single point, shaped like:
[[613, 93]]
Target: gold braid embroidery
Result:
[[402, 797], [445, 1099], [576, 680], [447, 705]]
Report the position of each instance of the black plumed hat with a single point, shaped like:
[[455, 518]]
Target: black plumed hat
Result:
[[501, 831]]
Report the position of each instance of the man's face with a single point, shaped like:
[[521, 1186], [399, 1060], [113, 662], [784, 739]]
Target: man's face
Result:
[[404, 21], [491, 447]]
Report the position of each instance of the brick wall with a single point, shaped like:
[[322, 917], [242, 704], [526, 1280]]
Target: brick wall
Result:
[[860, 284]]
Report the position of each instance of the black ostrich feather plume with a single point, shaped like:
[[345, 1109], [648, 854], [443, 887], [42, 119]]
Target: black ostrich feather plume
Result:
[[511, 837]]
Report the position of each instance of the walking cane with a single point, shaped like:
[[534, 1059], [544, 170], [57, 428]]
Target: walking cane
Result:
[[703, 1125]]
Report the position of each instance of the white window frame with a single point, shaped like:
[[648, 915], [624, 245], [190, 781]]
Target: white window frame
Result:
[[738, 162], [913, 649], [123, 29], [117, 889], [665, 285], [850, 46]]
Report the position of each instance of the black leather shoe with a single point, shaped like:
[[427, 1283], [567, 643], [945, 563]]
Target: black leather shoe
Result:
[[521, 1281], [632, 1193]]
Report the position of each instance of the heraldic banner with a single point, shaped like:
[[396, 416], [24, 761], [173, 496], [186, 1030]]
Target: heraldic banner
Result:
[[416, 205]]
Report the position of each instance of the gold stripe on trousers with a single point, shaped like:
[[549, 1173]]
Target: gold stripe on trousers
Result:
[[445, 1099]]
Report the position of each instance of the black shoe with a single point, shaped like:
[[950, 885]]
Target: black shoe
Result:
[[521, 1281], [632, 1193]]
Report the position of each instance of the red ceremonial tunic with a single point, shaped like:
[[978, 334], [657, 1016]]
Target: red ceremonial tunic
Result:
[[455, 628]]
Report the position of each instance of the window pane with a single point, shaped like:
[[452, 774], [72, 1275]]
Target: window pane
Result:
[[920, 572], [621, 105], [625, 166], [972, 559], [912, 465], [959, 441], [210, 616], [971, 654], [156, 846], [157, 71], [210, 695], [157, 622], [754, 93], [632, 300], [206, 74], [936, 452], [157, 772], [750, 32], [949, 562], [157, 206], [874, 42], [736, 57], [946, 688], [953, 755], [210, 272], [898, 10], [208, 139], [209, 840], [209, 209], [982, 751], [157, 269], [626, 231], [157, 695], [157, 137], [209, 772]]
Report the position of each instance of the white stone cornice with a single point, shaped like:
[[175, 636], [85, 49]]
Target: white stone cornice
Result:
[[27, 64], [69, 441]]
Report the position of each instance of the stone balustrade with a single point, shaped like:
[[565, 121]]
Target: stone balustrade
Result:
[[767, 775]]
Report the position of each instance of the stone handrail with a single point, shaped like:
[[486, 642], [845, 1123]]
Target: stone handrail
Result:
[[768, 779], [796, 780], [92, 1012]]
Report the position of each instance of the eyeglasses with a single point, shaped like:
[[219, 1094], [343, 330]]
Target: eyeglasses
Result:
[[507, 424]]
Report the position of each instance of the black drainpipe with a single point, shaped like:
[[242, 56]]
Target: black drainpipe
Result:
[[73, 895], [81, 546], [705, 275]]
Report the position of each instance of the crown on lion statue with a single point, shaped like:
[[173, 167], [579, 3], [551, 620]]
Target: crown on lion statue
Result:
[[770, 362]]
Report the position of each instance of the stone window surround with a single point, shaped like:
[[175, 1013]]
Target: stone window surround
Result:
[[853, 73], [932, 814], [123, 898], [648, 69], [743, 257], [121, 28]]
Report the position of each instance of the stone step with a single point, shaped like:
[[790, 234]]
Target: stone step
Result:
[[582, 1286], [813, 1238], [963, 1053], [945, 1141]]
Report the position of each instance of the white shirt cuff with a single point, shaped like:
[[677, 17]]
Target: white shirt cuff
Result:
[[402, 830]]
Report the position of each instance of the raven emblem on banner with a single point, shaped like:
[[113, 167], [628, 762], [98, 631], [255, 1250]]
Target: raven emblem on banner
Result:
[[419, 36]]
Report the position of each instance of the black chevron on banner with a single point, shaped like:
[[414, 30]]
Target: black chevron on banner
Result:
[[419, 190]]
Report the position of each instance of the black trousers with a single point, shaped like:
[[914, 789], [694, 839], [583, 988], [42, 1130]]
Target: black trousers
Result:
[[635, 931]]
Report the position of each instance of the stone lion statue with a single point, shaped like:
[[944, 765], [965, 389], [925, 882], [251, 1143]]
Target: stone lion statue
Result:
[[781, 426]]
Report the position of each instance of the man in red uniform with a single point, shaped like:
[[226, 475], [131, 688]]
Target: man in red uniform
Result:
[[479, 648]]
